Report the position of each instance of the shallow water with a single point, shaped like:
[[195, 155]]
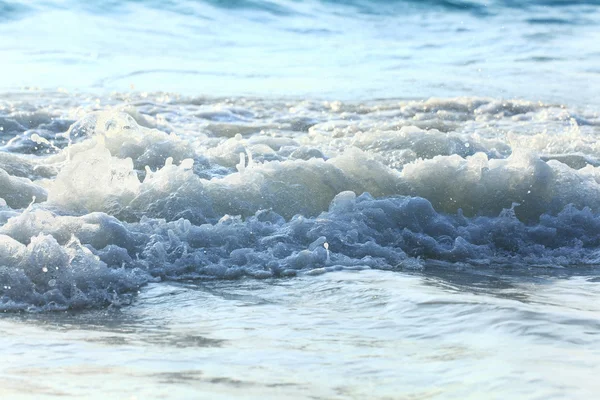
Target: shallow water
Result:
[[299, 199], [375, 334]]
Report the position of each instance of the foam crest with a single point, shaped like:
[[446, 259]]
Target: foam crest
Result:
[[94, 180], [267, 189], [124, 138]]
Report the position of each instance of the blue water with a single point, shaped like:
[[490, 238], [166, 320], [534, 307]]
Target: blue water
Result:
[[348, 50], [300, 199]]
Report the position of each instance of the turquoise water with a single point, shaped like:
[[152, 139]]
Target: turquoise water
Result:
[[345, 50], [300, 199]]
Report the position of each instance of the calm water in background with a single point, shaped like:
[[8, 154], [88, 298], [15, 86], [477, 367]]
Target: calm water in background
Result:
[[347, 50], [458, 331]]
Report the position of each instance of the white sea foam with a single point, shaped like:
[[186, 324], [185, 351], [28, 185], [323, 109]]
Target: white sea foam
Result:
[[382, 185]]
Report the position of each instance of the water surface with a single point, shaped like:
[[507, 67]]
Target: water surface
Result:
[[299, 199]]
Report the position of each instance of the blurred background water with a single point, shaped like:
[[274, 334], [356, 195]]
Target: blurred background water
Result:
[[538, 49]]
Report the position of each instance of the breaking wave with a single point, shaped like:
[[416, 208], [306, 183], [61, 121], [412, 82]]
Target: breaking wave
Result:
[[100, 199]]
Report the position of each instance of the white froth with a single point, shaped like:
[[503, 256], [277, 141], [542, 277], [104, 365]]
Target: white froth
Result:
[[268, 190]]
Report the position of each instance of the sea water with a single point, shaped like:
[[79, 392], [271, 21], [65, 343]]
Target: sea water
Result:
[[269, 199]]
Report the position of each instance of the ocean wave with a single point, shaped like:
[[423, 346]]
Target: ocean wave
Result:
[[97, 201]]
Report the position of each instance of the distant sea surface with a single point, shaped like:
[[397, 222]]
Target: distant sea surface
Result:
[[347, 50]]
